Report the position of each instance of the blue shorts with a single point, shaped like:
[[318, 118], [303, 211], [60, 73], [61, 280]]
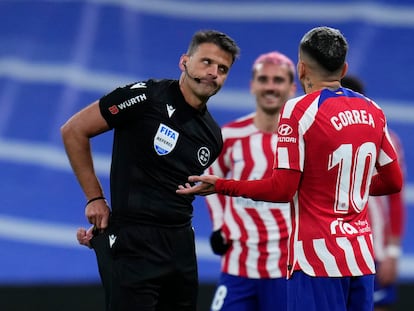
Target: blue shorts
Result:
[[235, 293], [384, 295], [330, 293]]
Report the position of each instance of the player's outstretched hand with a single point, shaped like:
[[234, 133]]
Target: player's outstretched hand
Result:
[[204, 185]]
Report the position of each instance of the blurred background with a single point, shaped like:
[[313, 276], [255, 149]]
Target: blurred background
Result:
[[58, 56]]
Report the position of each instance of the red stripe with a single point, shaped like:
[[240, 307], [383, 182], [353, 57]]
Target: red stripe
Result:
[[283, 240], [262, 245], [358, 254], [243, 238], [313, 259]]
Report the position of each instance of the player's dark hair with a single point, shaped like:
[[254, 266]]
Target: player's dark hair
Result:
[[353, 83], [218, 38], [327, 46]]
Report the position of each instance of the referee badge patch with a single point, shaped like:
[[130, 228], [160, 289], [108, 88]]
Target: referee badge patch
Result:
[[165, 139], [203, 156]]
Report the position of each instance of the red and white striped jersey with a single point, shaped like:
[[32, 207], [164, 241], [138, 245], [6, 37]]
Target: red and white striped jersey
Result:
[[258, 230], [386, 213], [336, 139]]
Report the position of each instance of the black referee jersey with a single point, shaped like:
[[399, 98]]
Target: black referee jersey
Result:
[[159, 140]]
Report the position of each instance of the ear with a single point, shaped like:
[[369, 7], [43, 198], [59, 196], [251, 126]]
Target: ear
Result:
[[344, 70], [301, 69], [183, 60]]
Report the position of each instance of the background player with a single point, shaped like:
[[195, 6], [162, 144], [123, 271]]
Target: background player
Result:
[[252, 235]]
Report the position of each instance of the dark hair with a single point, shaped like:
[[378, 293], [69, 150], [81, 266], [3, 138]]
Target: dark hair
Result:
[[327, 46], [353, 83], [218, 38]]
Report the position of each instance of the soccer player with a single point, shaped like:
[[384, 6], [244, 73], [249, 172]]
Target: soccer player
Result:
[[252, 236], [386, 214], [330, 141], [162, 133]]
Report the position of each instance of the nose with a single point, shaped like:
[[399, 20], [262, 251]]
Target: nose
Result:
[[270, 85], [213, 70]]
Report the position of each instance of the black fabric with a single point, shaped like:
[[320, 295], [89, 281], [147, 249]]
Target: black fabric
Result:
[[100, 244], [160, 272], [159, 140]]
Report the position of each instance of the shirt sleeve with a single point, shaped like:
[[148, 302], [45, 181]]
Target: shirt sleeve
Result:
[[124, 103], [281, 187]]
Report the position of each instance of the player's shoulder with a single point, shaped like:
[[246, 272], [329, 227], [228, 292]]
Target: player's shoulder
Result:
[[242, 126], [241, 121], [298, 103]]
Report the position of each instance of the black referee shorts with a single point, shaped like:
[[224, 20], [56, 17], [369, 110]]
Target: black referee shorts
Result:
[[100, 244], [154, 268]]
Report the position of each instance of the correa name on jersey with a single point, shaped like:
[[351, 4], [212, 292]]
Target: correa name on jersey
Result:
[[114, 109], [350, 117]]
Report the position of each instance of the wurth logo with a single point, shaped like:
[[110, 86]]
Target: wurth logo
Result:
[[114, 109]]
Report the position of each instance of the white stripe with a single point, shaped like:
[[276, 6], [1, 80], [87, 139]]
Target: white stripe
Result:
[[61, 73], [289, 106], [62, 235], [38, 232], [102, 82], [233, 266], [301, 258], [238, 132], [281, 11], [308, 117], [383, 158], [305, 123], [366, 254], [349, 255], [283, 158], [326, 257], [14, 151]]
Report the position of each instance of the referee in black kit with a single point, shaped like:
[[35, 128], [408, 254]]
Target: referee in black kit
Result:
[[163, 133]]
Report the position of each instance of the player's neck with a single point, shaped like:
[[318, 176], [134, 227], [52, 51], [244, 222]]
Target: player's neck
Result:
[[313, 85], [266, 122]]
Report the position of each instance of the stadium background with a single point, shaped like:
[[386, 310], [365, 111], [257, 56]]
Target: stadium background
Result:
[[58, 56]]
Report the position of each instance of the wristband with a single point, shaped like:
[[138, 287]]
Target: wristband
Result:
[[393, 251], [94, 199]]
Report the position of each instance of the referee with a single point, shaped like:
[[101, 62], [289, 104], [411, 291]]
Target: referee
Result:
[[163, 133]]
